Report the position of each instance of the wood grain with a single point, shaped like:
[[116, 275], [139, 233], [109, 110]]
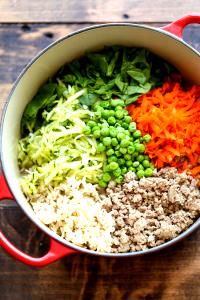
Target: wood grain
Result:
[[20, 43], [167, 275], [95, 11], [173, 274]]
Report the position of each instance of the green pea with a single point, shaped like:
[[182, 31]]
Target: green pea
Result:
[[123, 150], [113, 132], [95, 128], [113, 158], [140, 158], [145, 163], [140, 173], [87, 130], [146, 138], [106, 114], [106, 177], [120, 129], [127, 119], [134, 155], [118, 153], [119, 114], [117, 172], [97, 133], [148, 172], [132, 127], [129, 163], [103, 184], [106, 169], [105, 104], [114, 142], [119, 179], [139, 148], [124, 143], [98, 108], [120, 136], [121, 161], [91, 123], [127, 157], [105, 131], [118, 108], [110, 152], [131, 168], [140, 167], [137, 134], [101, 147], [113, 166], [125, 125], [117, 147], [136, 164], [112, 113], [111, 120], [128, 135], [131, 149], [124, 170], [107, 141]]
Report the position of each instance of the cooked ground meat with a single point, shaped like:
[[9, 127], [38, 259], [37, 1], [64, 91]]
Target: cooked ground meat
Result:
[[151, 211]]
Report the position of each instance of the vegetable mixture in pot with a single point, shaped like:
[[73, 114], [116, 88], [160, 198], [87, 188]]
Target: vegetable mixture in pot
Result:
[[109, 152]]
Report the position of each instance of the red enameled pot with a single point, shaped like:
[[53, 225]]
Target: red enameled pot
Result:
[[166, 42]]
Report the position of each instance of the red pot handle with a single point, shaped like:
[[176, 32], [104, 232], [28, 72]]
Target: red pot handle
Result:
[[178, 26], [56, 249]]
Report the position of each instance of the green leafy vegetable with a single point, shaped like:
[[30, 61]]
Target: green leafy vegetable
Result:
[[88, 99], [117, 71], [44, 98], [137, 75]]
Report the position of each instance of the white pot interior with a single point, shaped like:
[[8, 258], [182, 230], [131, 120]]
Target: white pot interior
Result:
[[65, 50]]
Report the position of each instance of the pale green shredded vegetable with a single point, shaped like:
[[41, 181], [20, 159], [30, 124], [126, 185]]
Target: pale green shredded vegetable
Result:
[[59, 148]]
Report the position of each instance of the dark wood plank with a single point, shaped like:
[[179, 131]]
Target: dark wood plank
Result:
[[170, 274], [95, 11], [20, 43]]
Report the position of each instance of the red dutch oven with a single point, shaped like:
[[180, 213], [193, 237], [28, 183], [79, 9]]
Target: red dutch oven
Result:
[[166, 42]]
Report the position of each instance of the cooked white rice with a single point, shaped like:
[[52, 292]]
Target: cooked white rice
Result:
[[74, 211]]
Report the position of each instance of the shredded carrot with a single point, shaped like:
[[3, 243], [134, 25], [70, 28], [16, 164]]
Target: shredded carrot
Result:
[[171, 115], [195, 171]]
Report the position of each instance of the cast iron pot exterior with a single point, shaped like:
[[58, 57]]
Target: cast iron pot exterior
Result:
[[165, 42]]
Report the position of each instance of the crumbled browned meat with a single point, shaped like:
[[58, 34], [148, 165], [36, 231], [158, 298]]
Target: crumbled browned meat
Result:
[[151, 211]]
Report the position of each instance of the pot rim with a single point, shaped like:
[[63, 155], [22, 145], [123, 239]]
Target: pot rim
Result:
[[48, 231]]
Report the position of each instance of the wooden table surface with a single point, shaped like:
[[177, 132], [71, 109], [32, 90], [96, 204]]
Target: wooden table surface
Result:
[[26, 27]]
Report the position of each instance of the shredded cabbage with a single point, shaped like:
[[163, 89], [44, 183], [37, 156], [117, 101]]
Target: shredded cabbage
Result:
[[59, 148]]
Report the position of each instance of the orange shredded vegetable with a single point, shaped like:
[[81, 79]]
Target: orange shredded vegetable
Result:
[[171, 115]]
